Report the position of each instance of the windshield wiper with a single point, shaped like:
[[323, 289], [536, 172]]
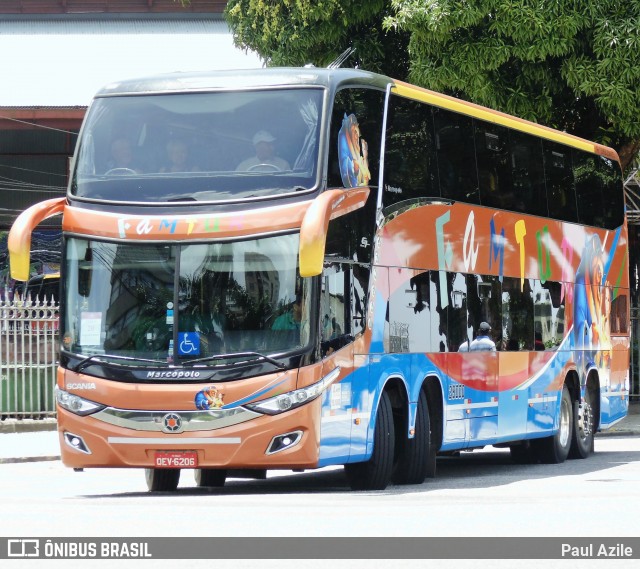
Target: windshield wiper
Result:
[[95, 358], [236, 355]]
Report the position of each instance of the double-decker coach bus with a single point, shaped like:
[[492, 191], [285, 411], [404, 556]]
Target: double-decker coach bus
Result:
[[287, 269]]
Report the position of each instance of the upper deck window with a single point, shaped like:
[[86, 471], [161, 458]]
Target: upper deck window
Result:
[[199, 146]]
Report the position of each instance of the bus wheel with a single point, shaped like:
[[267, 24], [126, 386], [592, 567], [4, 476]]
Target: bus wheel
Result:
[[376, 472], [210, 477], [583, 427], [162, 479], [555, 449], [417, 458]]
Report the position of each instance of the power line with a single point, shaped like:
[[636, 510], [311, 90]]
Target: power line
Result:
[[37, 125], [31, 170]]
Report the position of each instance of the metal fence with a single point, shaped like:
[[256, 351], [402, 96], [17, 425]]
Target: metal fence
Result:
[[28, 358]]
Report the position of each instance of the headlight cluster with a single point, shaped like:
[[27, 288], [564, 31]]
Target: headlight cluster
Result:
[[76, 404], [292, 399]]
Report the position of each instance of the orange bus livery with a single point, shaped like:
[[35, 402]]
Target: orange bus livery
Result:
[[297, 268]]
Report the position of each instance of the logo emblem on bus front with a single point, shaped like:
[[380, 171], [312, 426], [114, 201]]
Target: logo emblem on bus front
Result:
[[172, 423]]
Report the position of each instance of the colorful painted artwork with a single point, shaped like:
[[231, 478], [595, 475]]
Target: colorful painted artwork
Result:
[[353, 154], [209, 398]]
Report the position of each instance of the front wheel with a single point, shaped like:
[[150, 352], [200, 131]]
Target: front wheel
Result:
[[375, 474], [210, 477], [162, 479], [583, 427], [555, 449]]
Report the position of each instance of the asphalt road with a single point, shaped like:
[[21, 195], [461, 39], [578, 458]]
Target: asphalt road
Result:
[[478, 494]]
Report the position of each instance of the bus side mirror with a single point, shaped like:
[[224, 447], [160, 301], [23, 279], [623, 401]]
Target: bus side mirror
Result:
[[19, 242], [313, 231]]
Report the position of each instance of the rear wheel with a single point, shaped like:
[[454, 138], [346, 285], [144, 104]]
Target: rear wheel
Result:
[[375, 474], [583, 427], [210, 477], [555, 449], [162, 479], [417, 456]]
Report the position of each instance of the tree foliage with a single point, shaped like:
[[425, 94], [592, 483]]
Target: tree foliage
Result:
[[570, 64], [299, 32]]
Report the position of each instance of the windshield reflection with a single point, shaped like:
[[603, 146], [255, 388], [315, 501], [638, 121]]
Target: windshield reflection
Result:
[[199, 146], [176, 304]]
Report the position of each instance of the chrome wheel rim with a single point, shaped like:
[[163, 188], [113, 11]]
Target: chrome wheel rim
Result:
[[565, 423]]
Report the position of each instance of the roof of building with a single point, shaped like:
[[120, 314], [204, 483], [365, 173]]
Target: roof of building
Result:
[[62, 60]]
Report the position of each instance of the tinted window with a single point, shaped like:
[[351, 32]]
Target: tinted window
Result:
[[549, 311], [599, 190], [517, 315], [484, 304], [350, 237], [456, 156], [459, 330], [588, 189], [494, 165], [334, 307], [409, 312], [528, 175], [410, 168], [561, 197]]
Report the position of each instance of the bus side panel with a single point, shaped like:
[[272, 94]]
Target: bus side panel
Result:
[[614, 392], [478, 401], [515, 368]]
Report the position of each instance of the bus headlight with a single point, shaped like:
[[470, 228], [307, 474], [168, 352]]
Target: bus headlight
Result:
[[75, 403], [292, 399]]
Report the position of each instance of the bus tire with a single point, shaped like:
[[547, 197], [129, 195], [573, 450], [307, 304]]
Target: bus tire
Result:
[[162, 479], [375, 473], [583, 427], [417, 456], [210, 477], [555, 449]]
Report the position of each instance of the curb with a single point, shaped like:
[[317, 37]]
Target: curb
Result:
[[24, 459], [28, 425]]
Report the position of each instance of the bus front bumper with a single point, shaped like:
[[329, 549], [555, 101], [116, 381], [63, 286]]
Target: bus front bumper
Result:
[[289, 440]]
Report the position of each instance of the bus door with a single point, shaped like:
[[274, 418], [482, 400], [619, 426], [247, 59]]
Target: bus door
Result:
[[342, 321]]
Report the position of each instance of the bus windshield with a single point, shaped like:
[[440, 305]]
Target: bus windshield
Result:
[[179, 303], [206, 147]]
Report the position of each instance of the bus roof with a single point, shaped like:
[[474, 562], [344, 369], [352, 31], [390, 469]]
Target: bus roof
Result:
[[243, 79], [274, 77]]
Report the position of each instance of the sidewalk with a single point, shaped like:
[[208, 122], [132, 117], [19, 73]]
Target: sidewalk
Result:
[[31, 441]]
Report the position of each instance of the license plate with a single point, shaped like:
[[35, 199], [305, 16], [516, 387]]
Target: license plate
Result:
[[176, 459]]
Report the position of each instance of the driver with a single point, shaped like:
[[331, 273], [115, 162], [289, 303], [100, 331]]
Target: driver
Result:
[[265, 159], [121, 155]]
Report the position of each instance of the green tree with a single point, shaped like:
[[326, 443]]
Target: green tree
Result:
[[570, 64], [298, 32]]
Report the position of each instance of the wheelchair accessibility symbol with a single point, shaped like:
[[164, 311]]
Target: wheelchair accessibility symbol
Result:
[[188, 344]]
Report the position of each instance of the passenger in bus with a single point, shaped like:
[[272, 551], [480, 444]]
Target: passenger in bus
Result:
[[483, 342], [265, 159], [178, 157], [122, 157]]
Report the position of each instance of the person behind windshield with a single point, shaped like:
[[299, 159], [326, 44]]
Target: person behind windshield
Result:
[[265, 159], [121, 155], [289, 320], [178, 155]]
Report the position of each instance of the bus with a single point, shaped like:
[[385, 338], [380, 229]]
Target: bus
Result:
[[286, 268]]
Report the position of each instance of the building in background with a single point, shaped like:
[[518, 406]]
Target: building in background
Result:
[[56, 55]]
